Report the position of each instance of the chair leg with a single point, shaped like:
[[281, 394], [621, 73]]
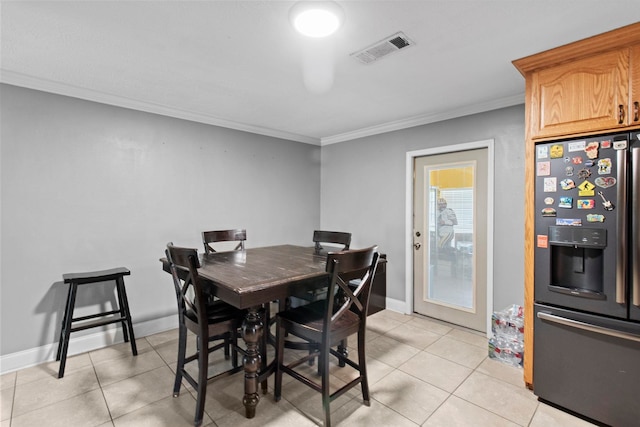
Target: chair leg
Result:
[[63, 346], [182, 348], [323, 361], [362, 362], [203, 367], [342, 349], [63, 326]]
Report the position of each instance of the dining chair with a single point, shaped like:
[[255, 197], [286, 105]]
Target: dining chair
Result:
[[236, 235], [329, 322], [338, 237], [208, 321]]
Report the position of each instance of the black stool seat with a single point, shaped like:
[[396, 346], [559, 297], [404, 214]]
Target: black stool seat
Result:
[[120, 314]]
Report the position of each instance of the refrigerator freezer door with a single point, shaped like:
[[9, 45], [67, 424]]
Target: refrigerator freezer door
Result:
[[588, 364], [634, 235]]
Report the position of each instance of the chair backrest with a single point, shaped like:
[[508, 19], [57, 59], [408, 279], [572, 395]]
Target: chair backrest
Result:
[[237, 235], [352, 273], [339, 237], [184, 264]]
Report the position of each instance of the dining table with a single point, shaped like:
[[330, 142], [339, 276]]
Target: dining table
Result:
[[251, 279]]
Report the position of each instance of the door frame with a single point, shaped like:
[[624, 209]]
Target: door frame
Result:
[[411, 155]]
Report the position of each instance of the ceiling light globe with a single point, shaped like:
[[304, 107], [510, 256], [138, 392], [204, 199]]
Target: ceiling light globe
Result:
[[316, 18]]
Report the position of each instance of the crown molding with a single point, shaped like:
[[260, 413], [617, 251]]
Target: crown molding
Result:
[[23, 80], [29, 82], [425, 119]]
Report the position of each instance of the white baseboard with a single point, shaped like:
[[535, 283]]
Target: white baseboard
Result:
[[397, 305], [46, 353]]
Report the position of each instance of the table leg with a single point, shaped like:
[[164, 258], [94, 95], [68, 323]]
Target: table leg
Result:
[[251, 333]]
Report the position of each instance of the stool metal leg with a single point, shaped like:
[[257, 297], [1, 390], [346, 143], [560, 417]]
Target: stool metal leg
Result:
[[63, 346], [124, 309]]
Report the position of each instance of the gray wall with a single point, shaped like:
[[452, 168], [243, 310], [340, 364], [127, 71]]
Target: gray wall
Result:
[[364, 191], [87, 186]]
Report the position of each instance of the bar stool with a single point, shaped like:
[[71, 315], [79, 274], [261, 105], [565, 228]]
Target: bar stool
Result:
[[122, 312]]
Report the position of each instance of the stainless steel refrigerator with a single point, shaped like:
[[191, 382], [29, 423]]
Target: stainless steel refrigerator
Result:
[[587, 277]]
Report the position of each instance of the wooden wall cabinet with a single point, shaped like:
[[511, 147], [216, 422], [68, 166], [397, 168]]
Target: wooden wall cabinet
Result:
[[584, 88], [591, 94]]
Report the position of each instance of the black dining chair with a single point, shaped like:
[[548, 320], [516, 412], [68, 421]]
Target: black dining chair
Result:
[[214, 236], [332, 237], [209, 321], [328, 322]]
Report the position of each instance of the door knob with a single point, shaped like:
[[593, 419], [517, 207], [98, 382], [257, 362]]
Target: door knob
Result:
[[417, 245]]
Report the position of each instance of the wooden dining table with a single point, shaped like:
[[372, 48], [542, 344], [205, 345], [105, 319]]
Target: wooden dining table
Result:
[[250, 280]]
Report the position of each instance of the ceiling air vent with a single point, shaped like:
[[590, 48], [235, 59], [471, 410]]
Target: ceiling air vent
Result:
[[383, 48]]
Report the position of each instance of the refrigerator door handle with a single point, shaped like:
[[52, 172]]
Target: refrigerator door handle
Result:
[[621, 248], [587, 327], [635, 224]]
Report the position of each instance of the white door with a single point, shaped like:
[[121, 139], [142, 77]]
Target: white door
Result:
[[450, 211]]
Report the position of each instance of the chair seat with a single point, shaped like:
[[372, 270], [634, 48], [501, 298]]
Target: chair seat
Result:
[[217, 312], [308, 320]]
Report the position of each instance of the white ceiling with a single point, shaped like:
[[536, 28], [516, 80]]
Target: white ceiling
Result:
[[239, 64]]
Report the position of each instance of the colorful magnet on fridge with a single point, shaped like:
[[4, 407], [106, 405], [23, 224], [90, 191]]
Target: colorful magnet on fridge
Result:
[[605, 144], [595, 218], [576, 222], [543, 152], [556, 151], [548, 200], [576, 160], [605, 181], [576, 146], [588, 163], [543, 241], [567, 159], [584, 173], [586, 203], [606, 203], [604, 166], [568, 171], [567, 184], [543, 168], [592, 150], [550, 185], [586, 189], [565, 202], [549, 212], [619, 145]]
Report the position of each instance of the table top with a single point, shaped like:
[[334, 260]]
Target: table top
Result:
[[260, 275]]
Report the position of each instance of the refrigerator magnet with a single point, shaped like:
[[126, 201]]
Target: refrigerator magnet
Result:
[[586, 189], [550, 185], [557, 151], [547, 212], [567, 184], [543, 152], [604, 166], [543, 241], [576, 146], [592, 149], [595, 218], [565, 202], [543, 168], [586, 204], [568, 171], [605, 144], [574, 222], [606, 203], [548, 200], [605, 181]]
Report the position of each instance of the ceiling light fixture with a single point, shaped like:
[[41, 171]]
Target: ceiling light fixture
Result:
[[316, 18]]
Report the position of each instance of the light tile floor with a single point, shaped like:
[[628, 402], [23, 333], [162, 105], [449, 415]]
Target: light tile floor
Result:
[[422, 373]]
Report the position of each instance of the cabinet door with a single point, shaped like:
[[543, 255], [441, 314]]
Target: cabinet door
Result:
[[587, 95], [634, 101]]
